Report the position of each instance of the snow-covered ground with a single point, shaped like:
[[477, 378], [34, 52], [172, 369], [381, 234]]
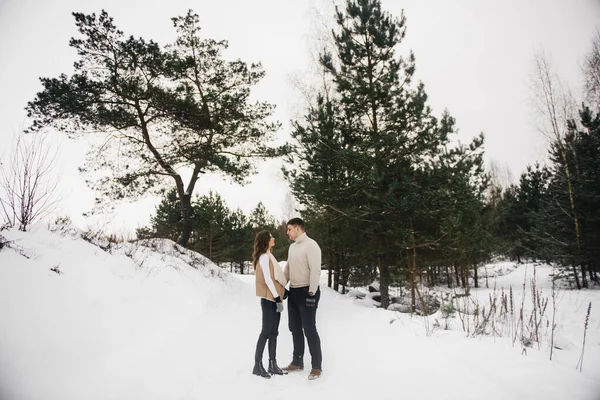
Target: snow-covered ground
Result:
[[136, 321]]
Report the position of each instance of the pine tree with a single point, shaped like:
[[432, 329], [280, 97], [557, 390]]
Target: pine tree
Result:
[[166, 222], [209, 232], [587, 148], [583, 142], [320, 180], [159, 111], [388, 126], [239, 233], [530, 196], [260, 219], [459, 205]]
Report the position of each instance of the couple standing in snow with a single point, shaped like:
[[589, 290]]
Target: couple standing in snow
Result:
[[302, 272]]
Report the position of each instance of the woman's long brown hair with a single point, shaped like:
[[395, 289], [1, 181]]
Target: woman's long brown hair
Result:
[[261, 245]]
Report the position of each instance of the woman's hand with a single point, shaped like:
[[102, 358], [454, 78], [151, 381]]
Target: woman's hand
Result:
[[278, 304]]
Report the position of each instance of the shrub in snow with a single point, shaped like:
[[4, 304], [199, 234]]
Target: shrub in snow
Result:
[[426, 304], [402, 308], [56, 269], [398, 303], [374, 287], [10, 244], [140, 250], [448, 310], [374, 298], [356, 294]]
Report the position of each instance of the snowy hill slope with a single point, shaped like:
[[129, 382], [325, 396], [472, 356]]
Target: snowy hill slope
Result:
[[136, 321]]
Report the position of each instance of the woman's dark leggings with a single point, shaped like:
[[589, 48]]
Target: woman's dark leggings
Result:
[[269, 331]]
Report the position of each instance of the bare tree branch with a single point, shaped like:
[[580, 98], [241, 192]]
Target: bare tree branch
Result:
[[591, 71], [29, 181], [556, 107]]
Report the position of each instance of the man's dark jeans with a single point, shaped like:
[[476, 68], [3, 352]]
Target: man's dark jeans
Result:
[[303, 321]]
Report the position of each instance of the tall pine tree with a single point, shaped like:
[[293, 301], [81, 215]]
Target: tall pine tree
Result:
[[391, 130], [161, 111]]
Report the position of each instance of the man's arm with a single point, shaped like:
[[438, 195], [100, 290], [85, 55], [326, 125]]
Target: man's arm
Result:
[[313, 257], [286, 270]]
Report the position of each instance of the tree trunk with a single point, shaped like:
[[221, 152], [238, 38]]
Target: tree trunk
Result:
[[184, 196], [584, 282], [411, 283], [210, 240], [342, 270], [551, 101], [336, 270], [413, 269], [337, 277], [186, 218], [592, 271], [465, 277], [456, 275], [241, 267], [448, 277], [384, 284], [576, 276], [475, 276], [330, 266]]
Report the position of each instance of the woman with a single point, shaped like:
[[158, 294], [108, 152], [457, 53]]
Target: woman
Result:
[[270, 282]]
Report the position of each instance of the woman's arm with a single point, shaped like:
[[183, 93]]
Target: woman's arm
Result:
[[264, 264]]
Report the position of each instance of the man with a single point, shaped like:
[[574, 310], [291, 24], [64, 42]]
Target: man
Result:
[[303, 272]]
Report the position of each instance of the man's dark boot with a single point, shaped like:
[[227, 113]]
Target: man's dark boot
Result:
[[295, 365], [260, 370], [274, 368], [315, 373]]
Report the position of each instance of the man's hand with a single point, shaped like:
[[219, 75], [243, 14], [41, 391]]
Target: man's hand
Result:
[[286, 293], [311, 300], [278, 304]]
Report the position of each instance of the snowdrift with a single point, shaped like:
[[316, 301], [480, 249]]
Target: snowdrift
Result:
[[86, 318]]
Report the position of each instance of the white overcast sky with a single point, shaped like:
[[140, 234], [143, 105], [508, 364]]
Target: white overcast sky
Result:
[[475, 58]]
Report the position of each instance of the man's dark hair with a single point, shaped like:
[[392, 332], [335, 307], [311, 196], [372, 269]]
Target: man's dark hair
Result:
[[297, 222]]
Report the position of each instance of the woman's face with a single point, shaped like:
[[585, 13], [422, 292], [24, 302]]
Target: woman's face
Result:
[[271, 241]]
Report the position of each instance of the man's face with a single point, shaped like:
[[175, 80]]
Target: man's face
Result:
[[293, 232]]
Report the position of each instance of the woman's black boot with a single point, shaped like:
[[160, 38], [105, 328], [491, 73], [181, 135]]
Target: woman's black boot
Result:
[[274, 368], [260, 370]]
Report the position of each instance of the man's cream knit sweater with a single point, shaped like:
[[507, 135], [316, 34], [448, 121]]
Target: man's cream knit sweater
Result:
[[304, 263]]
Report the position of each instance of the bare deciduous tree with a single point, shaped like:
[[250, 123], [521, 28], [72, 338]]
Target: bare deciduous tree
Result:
[[556, 107], [553, 100], [591, 71], [290, 207], [313, 80], [28, 180], [501, 177]]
